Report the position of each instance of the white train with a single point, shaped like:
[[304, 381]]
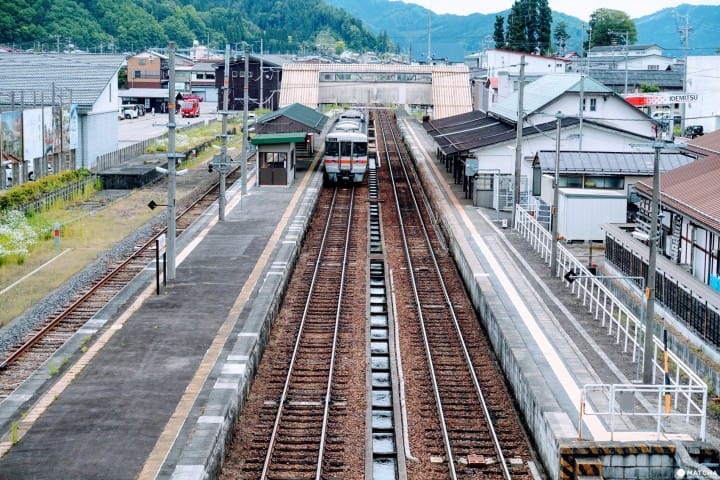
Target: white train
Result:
[[346, 148]]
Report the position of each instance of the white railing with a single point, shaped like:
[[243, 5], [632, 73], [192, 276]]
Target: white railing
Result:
[[619, 400], [618, 318]]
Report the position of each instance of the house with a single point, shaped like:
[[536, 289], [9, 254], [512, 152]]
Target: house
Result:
[[687, 275], [494, 73], [705, 110], [294, 118], [595, 170], [68, 114], [690, 216], [263, 88]]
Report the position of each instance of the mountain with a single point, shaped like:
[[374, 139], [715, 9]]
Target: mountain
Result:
[[454, 36], [134, 25]]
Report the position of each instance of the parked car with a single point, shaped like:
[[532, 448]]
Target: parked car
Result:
[[692, 131], [121, 113], [130, 111]]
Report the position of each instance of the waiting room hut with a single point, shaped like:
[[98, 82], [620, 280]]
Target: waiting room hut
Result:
[[277, 156]]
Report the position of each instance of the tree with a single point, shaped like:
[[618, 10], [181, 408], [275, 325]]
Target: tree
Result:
[[610, 27], [561, 36], [515, 38], [499, 32], [529, 26]]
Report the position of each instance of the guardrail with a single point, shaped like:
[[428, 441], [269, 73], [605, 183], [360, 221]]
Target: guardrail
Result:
[[622, 399], [619, 319]]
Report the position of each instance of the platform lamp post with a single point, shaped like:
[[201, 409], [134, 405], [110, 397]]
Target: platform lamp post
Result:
[[556, 199]]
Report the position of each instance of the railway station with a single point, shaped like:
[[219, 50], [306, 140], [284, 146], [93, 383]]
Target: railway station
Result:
[[202, 340]]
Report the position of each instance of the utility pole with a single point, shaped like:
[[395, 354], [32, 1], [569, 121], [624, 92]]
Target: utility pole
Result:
[[222, 167], [685, 39], [652, 259], [171, 165], [261, 100], [245, 125], [556, 199], [518, 139]]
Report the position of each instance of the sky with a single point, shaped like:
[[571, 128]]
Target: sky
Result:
[[577, 8]]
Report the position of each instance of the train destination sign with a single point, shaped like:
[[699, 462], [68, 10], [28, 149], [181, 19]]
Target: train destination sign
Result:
[[662, 98]]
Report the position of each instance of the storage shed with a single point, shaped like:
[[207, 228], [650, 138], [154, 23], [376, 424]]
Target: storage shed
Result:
[[582, 211], [276, 157]]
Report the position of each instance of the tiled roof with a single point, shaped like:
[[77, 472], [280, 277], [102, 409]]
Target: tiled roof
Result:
[[299, 113], [610, 163], [693, 190], [80, 76], [706, 144], [544, 90]]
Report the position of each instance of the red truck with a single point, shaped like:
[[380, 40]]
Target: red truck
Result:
[[190, 108]]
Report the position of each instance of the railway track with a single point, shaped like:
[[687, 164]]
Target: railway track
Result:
[[305, 393], [348, 411], [473, 430], [48, 336]]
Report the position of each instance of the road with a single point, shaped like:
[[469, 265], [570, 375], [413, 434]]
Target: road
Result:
[[151, 125]]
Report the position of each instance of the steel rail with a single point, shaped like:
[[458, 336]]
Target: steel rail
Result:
[[296, 348], [451, 309], [38, 336]]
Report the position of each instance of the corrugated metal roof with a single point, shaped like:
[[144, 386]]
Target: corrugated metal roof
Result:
[[299, 113], [83, 75], [609, 163], [692, 189], [544, 90], [463, 133], [450, 83], [661, 78]]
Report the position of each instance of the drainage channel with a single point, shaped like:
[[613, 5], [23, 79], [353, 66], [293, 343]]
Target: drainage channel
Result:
[[383, 426]]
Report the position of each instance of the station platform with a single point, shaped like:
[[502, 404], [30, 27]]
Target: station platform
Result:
[[153, 396], [552, 348], [105, 417]]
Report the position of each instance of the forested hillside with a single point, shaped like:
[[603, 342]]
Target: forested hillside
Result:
[[133, 25], [453, 36]]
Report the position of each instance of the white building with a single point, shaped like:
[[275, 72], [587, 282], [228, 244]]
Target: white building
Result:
[[702, 80]]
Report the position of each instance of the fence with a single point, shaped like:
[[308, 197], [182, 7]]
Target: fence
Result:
[[695, 312], [619, 319], [66, 193], [622, 401], [124, 155]]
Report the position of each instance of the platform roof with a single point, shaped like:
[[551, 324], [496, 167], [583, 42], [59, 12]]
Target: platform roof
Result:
[[277, 138], [299, 113]]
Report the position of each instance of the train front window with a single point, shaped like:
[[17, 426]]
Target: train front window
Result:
[[360, 149], [345, 149], [332, 148]]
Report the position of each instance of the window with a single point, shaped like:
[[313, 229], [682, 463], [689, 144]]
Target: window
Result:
[[141, 61], [653, 67], [235, 74], [137, 74], [593, 104]]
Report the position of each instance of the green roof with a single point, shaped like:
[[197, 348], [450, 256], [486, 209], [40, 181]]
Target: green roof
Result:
[[300, 113], [275, 138]]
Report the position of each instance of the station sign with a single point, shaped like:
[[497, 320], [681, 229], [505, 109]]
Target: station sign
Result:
[[661, 98]]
